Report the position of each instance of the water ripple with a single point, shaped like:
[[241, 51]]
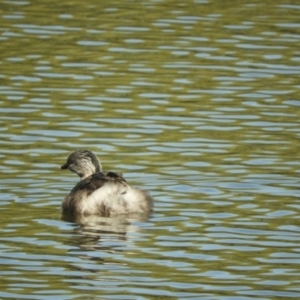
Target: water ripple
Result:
[[194, 102]]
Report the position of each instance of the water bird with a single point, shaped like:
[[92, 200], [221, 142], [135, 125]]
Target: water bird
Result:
[[101, 193]]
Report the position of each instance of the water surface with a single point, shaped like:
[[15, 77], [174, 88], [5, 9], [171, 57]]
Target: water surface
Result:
[[195, 101]]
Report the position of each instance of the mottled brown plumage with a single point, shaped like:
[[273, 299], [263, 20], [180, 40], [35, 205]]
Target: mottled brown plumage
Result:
[[101, 193]]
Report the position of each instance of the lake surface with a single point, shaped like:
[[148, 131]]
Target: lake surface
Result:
[[197, 102]]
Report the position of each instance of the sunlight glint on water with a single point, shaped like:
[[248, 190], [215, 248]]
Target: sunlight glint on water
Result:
[[196, 102]]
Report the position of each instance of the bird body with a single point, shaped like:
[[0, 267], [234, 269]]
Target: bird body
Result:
[[101, 193]]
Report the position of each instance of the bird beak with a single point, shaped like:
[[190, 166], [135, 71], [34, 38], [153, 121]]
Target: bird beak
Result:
[[65, 166]]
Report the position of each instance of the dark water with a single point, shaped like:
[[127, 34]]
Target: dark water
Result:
[[195, 101]]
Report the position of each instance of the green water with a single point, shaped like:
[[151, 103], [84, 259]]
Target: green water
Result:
[[195, 101]]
